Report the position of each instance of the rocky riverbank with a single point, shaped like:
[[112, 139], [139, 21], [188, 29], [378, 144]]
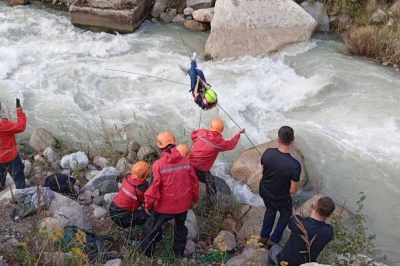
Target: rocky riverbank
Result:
[[225, 235]]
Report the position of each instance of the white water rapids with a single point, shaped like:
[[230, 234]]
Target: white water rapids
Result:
[[345, 110]]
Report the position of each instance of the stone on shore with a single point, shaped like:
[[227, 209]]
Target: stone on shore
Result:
[[108, 186], [123, 166], [51, 155], [91, 174], [226, 239], [100, 162], [99, 212], [108, 198], [178, 19], [188, 11], [247, 168], [191, 224], [158, 7], [199, 4], [116, 262], [75, 161], [167, 17], [317, 10], [378, 16], [252, 220], [41, 139], [252, 254], [108, 173], [203, 15], [196, 26], [110, 20], [252, 28], [146, 152]]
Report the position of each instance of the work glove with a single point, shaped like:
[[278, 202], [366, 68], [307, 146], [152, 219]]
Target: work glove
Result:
[[18, 103]]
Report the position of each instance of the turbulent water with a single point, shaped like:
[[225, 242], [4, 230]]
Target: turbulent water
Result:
[[345, 110]]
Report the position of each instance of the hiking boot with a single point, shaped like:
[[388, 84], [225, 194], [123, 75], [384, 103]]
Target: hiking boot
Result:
[[263, 240], [194, 57], [184, 69], [270, 244]]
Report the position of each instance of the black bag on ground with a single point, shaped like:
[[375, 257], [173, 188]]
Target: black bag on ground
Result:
[[94, 246], [62, 184]]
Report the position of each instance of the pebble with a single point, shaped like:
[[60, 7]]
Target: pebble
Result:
[[159, 262]]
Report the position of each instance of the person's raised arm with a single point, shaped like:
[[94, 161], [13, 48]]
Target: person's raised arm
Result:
[[15, 127], [205, 84], [196, 89], [231, 144]]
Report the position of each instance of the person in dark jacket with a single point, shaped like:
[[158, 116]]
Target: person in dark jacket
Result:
[[281, 176], [125, 209], [318, 233], [10, 161], [207, 145], [174, 188]]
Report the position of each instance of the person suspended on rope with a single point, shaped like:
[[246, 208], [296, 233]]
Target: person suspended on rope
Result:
[[203, 95], [174, 188], [207, 145], [125, 209]]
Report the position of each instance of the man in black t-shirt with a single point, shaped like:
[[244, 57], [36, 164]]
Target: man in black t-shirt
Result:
[[319, 233], [281, 176]]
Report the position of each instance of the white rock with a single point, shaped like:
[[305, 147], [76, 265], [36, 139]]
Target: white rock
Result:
[[191, 224], [203, 15], [260, 257], [123, 166], [158, 7], [178, 19], [88, 194], [100, 162], [108, 198], [391, 22], [116, 262], [28, 168], [51, 155], [108, 173], [190, 247], [188, 11], [75, 161], [91, 174], [379, 15], [317, 10], [96, 193], [99, 212], [254, 28]]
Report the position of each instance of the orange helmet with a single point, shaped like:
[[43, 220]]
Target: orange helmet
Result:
[[183, 149], [217, 125], [140, 170], [164, 139]]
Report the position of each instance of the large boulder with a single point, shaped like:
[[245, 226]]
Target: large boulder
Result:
[[248, 169], [108, 186], [108, 173], [252, 220], [179, 18], [203, 15], [101, 15], [41, 139], [191, 224], [318, 12], [196, 26], [64, 211], [253, 28], [158, 7], [51, 155], [75, 161], [250, 254], [188, 11], [199, 4], [306, 208]]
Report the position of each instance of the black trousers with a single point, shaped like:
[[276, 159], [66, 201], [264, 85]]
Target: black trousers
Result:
[[153, 232], [16, 169], [126, 219], [285, 210], [207, 178]]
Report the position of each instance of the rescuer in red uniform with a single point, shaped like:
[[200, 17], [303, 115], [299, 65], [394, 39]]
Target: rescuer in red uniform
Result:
[[10, 161], [125, 209], [174, 188]]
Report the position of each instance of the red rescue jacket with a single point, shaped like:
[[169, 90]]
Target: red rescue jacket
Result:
[[207, 145], [8, 144], [175, 184], [131, 195]]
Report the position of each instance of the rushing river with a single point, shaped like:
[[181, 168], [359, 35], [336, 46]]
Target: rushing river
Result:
[[345, 110]]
